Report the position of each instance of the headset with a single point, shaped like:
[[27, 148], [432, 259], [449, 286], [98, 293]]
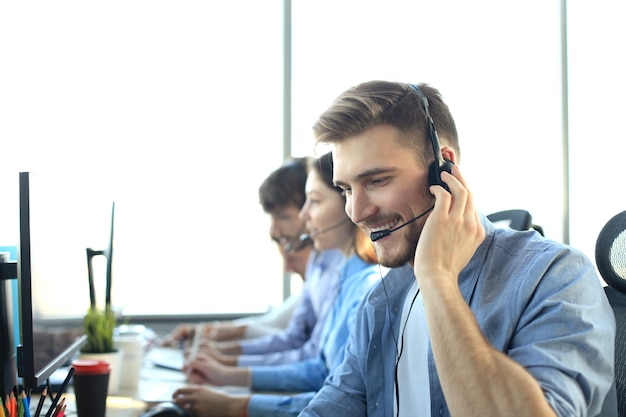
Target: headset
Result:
[[434, 170], [439, 164]]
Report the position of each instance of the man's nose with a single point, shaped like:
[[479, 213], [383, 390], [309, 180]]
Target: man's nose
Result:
[[359, 207]]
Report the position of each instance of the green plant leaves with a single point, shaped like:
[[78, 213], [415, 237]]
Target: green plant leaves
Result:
[[99, 326]]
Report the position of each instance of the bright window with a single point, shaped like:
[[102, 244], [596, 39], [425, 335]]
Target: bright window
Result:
[[596, 110], [499, 67], [173, 110]]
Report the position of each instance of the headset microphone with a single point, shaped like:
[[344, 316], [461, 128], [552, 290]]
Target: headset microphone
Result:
[[299, 245], [309, 236], [294, 244], [374, 236]]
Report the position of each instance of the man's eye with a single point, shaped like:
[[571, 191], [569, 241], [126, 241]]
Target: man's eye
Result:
[[377, 182]]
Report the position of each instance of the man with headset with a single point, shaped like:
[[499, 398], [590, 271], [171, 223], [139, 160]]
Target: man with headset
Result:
[[472, 320]]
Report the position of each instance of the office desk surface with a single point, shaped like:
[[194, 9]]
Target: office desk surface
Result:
[[156, 384], [117, 406]]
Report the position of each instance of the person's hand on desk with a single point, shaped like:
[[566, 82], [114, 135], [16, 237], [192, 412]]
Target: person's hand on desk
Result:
[[183, 334], [224, 352], [206, 402], [216, 350], [217, 331], [221, 331], [204, 369]]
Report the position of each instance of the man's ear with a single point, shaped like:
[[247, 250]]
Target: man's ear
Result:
[[448, 154]]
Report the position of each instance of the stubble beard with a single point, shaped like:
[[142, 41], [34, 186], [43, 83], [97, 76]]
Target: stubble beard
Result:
[[407, 247]]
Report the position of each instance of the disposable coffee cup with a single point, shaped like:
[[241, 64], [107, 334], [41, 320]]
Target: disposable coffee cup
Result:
[[133, 347], [91, 382]]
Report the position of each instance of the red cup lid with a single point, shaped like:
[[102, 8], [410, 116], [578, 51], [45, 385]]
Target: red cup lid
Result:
[[90, 366]]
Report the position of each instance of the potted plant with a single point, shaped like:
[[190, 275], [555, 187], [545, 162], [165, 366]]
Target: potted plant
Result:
[[99, 324]]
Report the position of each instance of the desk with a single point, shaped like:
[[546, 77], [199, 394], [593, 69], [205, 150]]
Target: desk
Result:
[[155, 385], [117, 406]]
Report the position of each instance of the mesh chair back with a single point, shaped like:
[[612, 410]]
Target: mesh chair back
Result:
[[611, 263]]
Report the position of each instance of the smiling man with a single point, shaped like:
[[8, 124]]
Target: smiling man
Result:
[[472, 320]]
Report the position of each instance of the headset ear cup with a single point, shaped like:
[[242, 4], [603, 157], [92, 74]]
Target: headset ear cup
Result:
[[435, 170], [446, 166]]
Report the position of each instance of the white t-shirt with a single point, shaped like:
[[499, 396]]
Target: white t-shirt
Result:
[[412, 386]]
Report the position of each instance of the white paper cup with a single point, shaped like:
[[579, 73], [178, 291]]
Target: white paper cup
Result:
[[133, 346]]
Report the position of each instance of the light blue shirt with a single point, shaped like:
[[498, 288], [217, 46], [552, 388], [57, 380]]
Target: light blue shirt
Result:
[[538, 301], [357, 278], [301, 339]]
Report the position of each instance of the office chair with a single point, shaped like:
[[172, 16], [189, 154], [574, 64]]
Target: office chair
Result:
[[515, 219], [611, 263]]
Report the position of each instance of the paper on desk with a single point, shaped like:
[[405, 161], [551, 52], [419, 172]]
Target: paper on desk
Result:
[[166, 357], [159, 382], [153, 392]]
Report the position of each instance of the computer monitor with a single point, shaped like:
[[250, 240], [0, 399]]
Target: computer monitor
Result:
[[57, 225]]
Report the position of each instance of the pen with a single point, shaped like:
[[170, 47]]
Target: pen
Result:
[[60, 392], [196, 344]]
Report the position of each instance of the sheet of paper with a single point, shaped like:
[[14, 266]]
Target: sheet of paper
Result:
[[166, 357], [160, 377]]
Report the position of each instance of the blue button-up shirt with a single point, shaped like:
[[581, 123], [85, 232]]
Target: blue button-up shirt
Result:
[[357, 278], [540, 302], [301, 339]]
